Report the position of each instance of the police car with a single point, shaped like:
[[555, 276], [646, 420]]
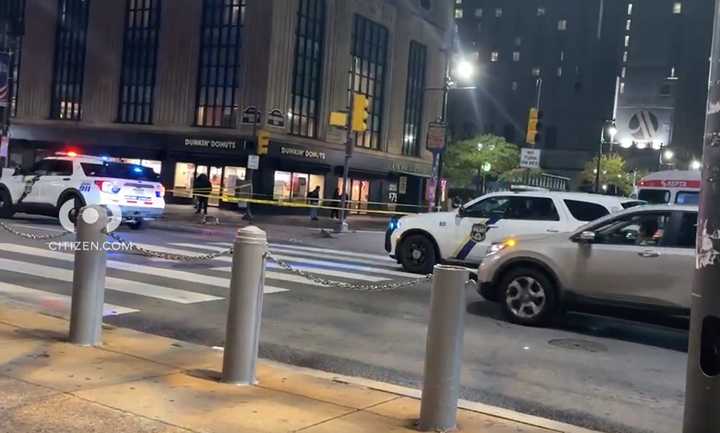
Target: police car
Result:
[[463, 236], [82, 180]]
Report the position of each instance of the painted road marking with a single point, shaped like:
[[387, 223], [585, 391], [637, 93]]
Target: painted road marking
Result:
[[378, 257], [148, 270], [117, 284], [51, 302]]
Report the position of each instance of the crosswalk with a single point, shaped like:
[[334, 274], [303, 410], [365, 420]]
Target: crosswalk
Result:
[[136, 280]]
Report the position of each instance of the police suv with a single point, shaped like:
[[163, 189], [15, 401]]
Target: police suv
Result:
[[82, 180], [463, 236]]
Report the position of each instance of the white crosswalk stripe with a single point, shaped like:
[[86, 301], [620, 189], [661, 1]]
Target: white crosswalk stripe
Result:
[[50, 302], [127, 276]]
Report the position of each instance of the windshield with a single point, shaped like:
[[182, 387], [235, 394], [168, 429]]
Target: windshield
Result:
[[655, 196], [120, 171]]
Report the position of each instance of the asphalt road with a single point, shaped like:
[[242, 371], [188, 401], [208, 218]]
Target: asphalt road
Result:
[[609, 374]]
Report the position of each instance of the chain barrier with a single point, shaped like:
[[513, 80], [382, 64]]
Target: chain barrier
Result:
[[381, 287], [145, 252], [32, 236]]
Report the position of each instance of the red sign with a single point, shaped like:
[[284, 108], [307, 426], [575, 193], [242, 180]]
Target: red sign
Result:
[[694, 184]]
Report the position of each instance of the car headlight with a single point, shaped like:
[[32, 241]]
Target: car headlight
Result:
[[393, 225], [500, 246]]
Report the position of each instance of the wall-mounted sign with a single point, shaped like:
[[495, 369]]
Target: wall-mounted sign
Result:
[[253, 162], [276, 119], [409, 167], [251, 116], [211, 144], [303, 153]]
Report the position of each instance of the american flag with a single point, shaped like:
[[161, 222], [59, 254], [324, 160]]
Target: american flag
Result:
[[4, 79]]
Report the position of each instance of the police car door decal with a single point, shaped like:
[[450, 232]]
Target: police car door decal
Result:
[[477, 235]]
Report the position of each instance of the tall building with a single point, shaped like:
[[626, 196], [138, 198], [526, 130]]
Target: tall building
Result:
[[588, 62], [176, 85]]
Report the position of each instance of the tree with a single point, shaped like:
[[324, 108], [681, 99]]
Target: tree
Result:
[[614, 174], [466, 158]]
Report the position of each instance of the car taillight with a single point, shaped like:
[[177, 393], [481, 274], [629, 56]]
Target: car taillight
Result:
[[106, 186]]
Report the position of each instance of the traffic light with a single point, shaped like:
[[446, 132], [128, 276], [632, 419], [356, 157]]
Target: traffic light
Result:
[[535, 126], [360, 113], [263, 142]]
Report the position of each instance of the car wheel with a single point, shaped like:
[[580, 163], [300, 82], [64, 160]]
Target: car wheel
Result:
[[6, 206], [136, 225], [79, 204], [528, 297], [417, 254]]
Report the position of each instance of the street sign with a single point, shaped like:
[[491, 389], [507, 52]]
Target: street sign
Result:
[[4, 79], [530, 158], [276, 119], [436, 136], [251, 116], [253, 162]]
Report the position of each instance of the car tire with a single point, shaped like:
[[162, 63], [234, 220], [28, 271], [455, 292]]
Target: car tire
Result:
[[137, 224], [528, 297], [79, 204], [417, 254], [7, 209]]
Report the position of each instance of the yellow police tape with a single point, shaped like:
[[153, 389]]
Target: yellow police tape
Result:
[[289, 204]]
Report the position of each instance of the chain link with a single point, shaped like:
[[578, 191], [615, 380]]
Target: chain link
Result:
[[32, 236], [134, 248], [383, 287]]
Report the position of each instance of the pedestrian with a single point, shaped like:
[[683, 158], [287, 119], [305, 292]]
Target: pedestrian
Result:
[[335, 214], [245, 193], [314, 200], [202, 188]]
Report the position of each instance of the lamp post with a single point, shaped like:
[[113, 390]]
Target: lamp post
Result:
[[463, 71], [611, 131]]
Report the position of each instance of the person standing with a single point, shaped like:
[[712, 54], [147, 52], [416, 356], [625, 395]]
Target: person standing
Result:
[[314, 200], [202, 188]]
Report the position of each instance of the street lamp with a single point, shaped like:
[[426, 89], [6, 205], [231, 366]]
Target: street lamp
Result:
[[611, 131], [668, 155], [464, 70]]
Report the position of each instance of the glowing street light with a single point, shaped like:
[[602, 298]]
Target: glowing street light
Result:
[[464, 70], [668, 155]]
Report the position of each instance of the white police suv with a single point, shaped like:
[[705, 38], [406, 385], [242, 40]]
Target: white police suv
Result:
[[463, 236], [83, 180]]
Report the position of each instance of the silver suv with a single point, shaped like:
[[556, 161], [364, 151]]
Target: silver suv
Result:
[[643, 257]]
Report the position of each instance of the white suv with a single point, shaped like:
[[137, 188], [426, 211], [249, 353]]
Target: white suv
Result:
[[86, 180], [463, 236]]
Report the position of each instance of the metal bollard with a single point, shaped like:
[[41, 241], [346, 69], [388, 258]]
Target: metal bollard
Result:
[[443, 358], [242, 336], [88, 296]]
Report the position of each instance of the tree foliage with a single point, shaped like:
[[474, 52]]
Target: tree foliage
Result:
[[465, 159], [613, 173]]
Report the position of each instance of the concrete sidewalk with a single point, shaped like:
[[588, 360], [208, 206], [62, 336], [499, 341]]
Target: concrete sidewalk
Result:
[[143, 383]]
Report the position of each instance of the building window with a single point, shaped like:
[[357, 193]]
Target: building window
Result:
[[514, 86], [369, 62], [218, 71], [307, 77], [629, 11], [69, 65], [628, 25], [417, 64], [498, 12], [627, 41], [458, 2], [562, 55], [518, 41], [559, 71], [17, 12], [665, 90], [672, 73], [479, 27], [677, 8], [562, 25], [494, 56], [478, 13], [541, 11], [625, 56], [516, 56], [622, 87], [458, 13], [535, 71], [139, 61], [623, 72]]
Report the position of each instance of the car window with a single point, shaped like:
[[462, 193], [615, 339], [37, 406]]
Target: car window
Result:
[[645, 229], [532, 208], [586, 211], [655, 196], [53, 167], [688, 197], [119, 171], [687, 233], [493, 207]]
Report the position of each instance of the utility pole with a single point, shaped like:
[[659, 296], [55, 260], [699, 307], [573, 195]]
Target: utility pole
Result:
[[703, 370], [349, 147]]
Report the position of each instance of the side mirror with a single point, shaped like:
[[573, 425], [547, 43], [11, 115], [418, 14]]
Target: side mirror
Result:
[[586, 237]]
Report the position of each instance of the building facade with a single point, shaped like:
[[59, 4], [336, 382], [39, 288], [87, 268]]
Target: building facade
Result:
[[183, 86], [590, 62]]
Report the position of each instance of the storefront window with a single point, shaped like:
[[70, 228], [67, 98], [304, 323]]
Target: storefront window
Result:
[[232, 180], [184, 177], [296, 186], [359, 194]]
